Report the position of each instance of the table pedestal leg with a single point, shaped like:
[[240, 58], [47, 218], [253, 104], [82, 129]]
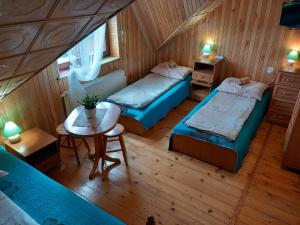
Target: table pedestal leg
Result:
[[100, 152], [108, 158]]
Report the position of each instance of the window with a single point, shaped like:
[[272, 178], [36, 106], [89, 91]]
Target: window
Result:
[[110, 53]]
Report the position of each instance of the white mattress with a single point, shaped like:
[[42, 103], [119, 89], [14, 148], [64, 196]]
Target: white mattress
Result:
[[144, 91], [224, 115]]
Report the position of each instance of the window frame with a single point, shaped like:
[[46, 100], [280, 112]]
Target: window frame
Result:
[[108, 56]]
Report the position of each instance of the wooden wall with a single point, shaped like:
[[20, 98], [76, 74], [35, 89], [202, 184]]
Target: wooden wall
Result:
[[136, 57], [159, 19], [38, 101], [246, 32]]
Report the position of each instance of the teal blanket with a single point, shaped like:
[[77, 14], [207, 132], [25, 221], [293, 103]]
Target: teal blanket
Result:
[[45, 200]]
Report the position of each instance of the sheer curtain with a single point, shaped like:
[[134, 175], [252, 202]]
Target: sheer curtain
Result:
[[85, 63]]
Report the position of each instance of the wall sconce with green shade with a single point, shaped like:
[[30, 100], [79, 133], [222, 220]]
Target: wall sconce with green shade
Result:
[[292, 57], [206, 50], [12, 132]]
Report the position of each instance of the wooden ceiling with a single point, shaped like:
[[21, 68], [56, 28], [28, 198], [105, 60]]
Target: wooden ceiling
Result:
[[34, 33], [161, 20]]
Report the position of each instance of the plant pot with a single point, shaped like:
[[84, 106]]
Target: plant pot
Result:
[[90, 113]]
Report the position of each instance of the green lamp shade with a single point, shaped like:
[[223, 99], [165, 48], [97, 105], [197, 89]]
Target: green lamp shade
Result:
[[293, 55], [206, 49], [11, 129]]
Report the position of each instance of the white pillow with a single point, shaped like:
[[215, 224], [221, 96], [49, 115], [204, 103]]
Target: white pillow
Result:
[[2, 173], [171, 70], [252, 90]]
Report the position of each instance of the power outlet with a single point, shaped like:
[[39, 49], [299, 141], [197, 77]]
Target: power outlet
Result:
[[270, 70]]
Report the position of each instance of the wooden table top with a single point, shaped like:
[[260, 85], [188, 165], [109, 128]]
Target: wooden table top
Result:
[[108, 122]]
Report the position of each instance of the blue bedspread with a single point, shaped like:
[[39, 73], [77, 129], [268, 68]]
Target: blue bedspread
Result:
[[158, 109], [243, 141], [46, 201]]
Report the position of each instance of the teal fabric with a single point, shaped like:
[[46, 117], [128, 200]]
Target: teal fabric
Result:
[[158, 109], [243, 141], [45, 200]]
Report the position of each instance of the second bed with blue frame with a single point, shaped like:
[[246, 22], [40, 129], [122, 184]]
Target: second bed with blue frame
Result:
[[138, 121], [213, 149]]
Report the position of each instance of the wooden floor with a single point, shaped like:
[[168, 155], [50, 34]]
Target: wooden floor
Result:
[[177, 189]]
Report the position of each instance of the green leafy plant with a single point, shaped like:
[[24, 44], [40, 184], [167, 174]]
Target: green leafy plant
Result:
[[89, 102]]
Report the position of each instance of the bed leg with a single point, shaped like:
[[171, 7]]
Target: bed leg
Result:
[[150, 220]]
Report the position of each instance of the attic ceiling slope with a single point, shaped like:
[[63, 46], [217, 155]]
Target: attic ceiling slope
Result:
[[161, 20], [204, 10], [34, 33]]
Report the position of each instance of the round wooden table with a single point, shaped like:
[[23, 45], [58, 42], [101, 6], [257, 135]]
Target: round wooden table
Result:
[[108, 122]]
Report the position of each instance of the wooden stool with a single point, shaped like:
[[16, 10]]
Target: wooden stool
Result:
[[61, 133], [115, 134]]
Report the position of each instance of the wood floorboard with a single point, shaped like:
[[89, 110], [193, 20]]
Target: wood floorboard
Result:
[[177, 189]]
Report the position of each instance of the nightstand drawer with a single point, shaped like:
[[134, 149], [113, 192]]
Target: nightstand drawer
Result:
[[282, 106], [49, 163], [286, 93], [201, 76], [279, 118], [290, 80]]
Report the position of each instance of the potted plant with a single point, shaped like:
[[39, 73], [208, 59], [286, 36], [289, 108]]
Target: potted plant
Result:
[[89, 104]]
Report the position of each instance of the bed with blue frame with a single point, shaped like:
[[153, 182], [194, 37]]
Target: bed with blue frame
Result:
[[45, 200], [214, 149], [138, 121]]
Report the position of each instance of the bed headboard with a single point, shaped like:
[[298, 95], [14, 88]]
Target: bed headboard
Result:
[[103, 86]]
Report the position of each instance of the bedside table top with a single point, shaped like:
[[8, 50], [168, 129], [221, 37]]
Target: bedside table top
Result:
[[31, 141], [290, 69], [208, 61]]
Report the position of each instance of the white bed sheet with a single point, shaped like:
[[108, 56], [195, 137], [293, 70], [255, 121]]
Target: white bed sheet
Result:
[[224, 115], [144, 91], [11, 214]]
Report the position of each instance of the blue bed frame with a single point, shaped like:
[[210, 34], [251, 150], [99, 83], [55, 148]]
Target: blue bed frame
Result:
[[45, 200], [140, 120], [214, 149]]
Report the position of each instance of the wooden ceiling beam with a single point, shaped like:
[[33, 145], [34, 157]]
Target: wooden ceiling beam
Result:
[[204, 9]]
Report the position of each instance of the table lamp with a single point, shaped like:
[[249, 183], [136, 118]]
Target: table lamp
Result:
[[293, 56], [12, 132], [206, 50]]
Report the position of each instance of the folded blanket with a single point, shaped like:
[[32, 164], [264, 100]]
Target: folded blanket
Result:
[[144, 91], [11, 214], [224, 115]]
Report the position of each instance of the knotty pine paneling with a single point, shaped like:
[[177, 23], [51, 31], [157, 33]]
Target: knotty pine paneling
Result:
[[246, 33], [38, 101], [159, 19]]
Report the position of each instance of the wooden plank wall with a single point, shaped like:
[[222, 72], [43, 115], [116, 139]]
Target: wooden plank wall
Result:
[[161, 18], [246, 32], [38, 102]]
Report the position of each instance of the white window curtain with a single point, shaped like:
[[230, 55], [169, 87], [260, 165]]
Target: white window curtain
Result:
[[85, 63]]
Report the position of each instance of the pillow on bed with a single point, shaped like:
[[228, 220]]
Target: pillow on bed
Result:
[[254, 89], [171, 70], [2, 173]]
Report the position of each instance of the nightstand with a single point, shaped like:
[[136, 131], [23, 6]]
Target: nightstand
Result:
[[284, 97], [205, 76], [37, 148]]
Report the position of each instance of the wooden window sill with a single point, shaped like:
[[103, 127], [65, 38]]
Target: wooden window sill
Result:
[[106, 60]]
